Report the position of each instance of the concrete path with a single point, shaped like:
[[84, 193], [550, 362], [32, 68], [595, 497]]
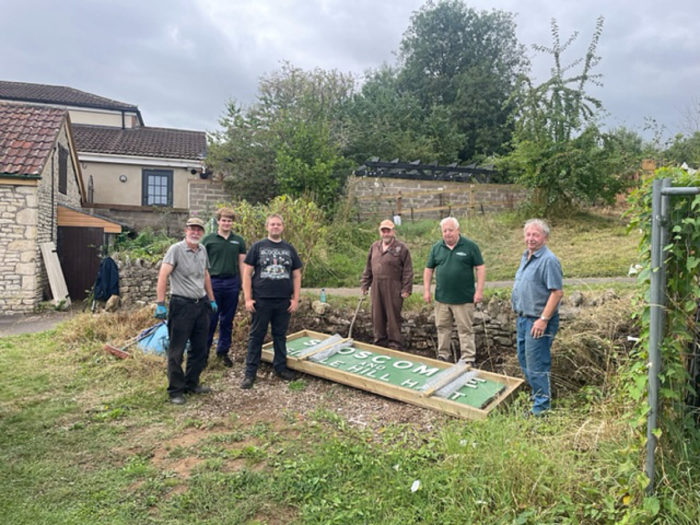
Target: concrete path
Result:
[[32, 323]]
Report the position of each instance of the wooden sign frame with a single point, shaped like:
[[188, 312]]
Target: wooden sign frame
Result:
[[425, 397]]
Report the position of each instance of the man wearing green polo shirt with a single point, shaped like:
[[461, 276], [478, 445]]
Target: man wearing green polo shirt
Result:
[[226, 252], [459, 284]]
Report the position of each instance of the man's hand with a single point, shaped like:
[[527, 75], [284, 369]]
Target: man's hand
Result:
[[213, 306], [405, 294], [478, 297], [250, 305], [161, 312], [364, 291], [538, 328], [293, 305], [426, 296]]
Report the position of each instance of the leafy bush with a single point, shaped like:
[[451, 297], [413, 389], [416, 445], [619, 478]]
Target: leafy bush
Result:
[[147, 244]]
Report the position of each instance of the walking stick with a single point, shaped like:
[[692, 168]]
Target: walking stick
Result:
[[352, 323]]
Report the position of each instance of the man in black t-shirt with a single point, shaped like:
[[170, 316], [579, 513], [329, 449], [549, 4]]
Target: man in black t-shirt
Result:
[[271, 286]]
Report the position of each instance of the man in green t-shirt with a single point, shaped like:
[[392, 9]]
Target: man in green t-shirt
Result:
[[459, 284], [226, 252]]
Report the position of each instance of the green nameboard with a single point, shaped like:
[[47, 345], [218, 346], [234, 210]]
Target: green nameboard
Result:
[[455, 389], [397, 371]]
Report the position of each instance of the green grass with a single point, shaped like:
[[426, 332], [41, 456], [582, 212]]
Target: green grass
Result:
[[88, 439], [579, 242]]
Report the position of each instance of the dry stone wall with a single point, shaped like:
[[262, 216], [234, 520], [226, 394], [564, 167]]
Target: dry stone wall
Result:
[[376, 197], [494, 328], [137, 281], [493, 322]]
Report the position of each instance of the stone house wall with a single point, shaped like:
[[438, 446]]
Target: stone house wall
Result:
[[19, 256], [376, 197], [28, 217]]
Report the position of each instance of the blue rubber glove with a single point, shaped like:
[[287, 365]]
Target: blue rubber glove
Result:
[[161, 312], [214, 307]]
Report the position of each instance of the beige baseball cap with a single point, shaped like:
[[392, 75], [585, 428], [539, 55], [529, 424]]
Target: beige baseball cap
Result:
[[386, 224], [195, 221]]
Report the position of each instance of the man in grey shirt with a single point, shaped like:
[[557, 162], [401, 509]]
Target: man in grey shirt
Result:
[[191, 301]]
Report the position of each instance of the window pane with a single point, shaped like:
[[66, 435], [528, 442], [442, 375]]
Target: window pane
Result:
[[157, 188]]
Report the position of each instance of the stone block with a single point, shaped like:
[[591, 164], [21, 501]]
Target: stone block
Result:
[[25, 269]]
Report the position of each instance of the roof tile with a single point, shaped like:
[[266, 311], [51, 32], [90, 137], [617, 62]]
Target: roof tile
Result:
[[144, 141], [27, 134], [47, 94]]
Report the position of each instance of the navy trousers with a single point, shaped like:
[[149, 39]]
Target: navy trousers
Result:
[[226, 295]]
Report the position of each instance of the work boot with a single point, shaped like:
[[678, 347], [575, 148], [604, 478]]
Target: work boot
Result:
[[200, 389], [247, 382], [225, 360], [286, 375], [177, 400]]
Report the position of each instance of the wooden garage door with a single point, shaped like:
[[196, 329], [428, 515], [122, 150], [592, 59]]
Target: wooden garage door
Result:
[[79, 253]]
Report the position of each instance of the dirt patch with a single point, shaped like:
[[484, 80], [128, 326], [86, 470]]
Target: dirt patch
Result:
[[279, 405]]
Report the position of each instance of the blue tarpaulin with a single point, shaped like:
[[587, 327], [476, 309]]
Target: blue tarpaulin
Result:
[[155, 339]]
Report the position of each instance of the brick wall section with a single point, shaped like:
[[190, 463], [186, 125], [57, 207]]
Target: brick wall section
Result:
[[161, 219], [205, 195], [376, 197]]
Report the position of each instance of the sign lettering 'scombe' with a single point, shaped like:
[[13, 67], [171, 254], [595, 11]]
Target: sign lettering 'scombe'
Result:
[[414, 379]]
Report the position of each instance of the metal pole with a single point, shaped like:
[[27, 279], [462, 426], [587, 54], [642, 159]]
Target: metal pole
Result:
[[656, 320], [661, 191]]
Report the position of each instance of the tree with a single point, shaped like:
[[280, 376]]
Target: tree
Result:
[[243, 153], [684, 149], [466, 63], [558, 150], [387, 123], [290, 139]]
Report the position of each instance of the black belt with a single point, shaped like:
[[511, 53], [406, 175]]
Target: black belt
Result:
[[188, 299], [521, 314]]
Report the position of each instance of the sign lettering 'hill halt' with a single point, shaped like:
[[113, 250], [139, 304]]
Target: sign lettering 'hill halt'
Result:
[[458, 389]]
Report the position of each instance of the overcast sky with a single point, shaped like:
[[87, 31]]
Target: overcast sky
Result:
[[179, 61]]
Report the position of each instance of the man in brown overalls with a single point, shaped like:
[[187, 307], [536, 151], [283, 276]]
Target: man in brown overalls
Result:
[[390, 274]]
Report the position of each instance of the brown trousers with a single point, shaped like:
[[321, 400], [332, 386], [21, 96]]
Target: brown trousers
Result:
[[386, 312]]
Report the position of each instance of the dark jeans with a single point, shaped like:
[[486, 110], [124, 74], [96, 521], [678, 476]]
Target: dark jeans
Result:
[[187, 320], [226, 295], [273, 312]]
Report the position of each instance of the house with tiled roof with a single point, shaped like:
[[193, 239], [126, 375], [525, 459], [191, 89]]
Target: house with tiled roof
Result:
[[135, 174], [41, 197]]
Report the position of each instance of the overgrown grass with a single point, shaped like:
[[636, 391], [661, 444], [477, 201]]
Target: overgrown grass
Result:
[[88, 439], [578, 241]]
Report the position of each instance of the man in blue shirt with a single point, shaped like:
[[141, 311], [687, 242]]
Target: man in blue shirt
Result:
[[537, 291]]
